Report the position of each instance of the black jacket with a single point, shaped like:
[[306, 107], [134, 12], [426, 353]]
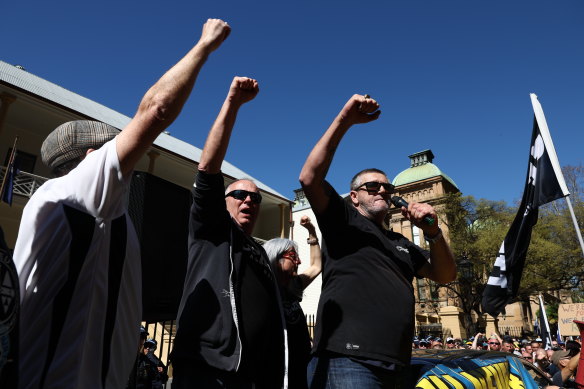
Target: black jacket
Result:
[[207, 330]]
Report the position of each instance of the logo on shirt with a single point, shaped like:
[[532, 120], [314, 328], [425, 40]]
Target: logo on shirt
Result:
[[225, 293], [399, 248], [8, 294], [351, 346]]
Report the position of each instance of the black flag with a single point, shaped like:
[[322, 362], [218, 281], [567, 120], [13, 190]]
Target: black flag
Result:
[[544, 183]]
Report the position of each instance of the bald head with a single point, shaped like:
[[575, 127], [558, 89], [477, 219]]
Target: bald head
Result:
[[240, 205]]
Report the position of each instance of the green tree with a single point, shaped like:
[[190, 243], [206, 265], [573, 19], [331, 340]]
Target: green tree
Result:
[[476, 230], [554, 259]]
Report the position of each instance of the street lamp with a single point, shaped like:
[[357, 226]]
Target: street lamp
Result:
[[466, 269]]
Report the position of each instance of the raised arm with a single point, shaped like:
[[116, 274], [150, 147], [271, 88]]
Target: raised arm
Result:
[[441, 267], [475, 341], [163, 102], [358, 109], [242, 90], [570, 368], [308, 275]]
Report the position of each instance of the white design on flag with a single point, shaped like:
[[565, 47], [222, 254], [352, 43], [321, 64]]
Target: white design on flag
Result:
[[537, 151], [500, 281]]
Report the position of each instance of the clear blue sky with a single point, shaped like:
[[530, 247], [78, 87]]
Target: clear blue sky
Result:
[[452, 76]]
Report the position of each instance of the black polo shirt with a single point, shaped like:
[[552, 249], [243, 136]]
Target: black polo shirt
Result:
[[366, 308]]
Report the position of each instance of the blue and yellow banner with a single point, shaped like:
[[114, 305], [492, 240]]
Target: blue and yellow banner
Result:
[[501, 372]]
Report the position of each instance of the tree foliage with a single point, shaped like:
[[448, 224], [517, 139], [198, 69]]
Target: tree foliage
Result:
[[476, 230], [554, 259]]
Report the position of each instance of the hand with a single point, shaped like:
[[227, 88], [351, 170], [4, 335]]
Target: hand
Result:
[[360, 110], [306, 223], [416, 212], [243, 89], [215, 31]]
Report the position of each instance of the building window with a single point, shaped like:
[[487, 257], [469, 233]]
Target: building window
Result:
[[434, 290], [416, 235], [422, 295]]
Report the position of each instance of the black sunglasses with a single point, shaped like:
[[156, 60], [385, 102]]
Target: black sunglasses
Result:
[[374, 186], [241, 195]]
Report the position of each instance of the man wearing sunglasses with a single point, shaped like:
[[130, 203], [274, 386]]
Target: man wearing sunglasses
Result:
[[230, 321], [367, 270], [78, 255]]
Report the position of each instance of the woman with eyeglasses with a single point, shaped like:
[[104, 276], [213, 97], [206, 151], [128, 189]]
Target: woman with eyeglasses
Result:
[[284, 259]]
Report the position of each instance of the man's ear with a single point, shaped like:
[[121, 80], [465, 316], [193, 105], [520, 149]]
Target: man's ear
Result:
[[89, 151], [354, 199]]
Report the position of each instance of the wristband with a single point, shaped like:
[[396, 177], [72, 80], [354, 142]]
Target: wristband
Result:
[[312, 241], [434, 238]]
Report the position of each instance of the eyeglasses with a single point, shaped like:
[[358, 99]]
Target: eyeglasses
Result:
[[241, 195], [497, 343], [450, 341], [291, 255], [374, 186]]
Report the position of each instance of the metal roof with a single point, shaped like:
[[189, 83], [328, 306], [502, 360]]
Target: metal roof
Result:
[[35, 85], [419, 173]]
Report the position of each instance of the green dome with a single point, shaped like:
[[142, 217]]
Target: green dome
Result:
[[422, 168]]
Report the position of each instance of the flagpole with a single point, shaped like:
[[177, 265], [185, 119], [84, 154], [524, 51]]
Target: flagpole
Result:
[[545, 132], [10, 162], [548, 335], [575, 223]]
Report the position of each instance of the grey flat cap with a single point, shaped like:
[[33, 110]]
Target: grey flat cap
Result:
[[72, 139]]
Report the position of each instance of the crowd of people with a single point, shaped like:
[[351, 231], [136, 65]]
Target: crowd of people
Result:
[[559, 361], [239, 321]]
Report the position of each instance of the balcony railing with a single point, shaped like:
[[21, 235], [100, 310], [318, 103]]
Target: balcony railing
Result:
[[25, 184]]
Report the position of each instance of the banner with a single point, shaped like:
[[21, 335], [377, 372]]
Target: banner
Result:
[[544, 184], [497, 372], [567, 313]]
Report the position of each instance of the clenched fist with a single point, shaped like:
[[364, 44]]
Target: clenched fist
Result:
[[215, 31], [360, 109], [243, 89]]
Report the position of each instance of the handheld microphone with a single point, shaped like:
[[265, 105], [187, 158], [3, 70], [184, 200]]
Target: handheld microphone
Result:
[[400, 202]]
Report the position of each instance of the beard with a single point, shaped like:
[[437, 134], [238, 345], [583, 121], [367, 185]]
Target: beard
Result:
[[376, 208]]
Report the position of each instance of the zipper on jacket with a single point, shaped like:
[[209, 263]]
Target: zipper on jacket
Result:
[[232, 301]]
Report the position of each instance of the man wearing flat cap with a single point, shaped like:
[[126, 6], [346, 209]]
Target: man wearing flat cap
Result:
[[77, 253], [567, 363]]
